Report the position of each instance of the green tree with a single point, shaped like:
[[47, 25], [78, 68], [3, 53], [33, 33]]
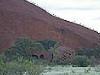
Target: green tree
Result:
[[47, 44], [23, 47]]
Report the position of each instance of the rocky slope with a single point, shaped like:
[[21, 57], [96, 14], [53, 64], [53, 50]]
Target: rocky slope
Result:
[[19, 18]]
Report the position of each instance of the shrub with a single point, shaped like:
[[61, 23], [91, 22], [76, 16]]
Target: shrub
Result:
[[85, 51], [20, 67], [80, 61], [61, 61], [47, 44], [97, 52], [62, 55], [89, 52], [22, 47]]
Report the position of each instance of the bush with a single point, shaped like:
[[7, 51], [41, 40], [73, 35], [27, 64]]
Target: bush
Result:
[[20, 67], [85, 51], [22, 47], [80, 61], [89, 52], [61, 61], [47, 44]]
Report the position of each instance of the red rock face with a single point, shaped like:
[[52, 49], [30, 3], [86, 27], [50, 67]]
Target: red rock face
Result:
[[19, 18]]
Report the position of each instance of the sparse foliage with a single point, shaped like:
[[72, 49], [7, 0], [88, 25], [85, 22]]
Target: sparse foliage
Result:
[[81, 61]]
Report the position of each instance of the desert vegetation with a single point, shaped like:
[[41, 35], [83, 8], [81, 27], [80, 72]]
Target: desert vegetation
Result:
[[20, 66], [18, 60]]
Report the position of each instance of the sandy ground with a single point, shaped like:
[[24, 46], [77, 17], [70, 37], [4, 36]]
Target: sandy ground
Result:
[[68, 70]]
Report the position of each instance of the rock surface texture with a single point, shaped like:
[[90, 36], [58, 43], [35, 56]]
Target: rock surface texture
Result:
[[19, 18]]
